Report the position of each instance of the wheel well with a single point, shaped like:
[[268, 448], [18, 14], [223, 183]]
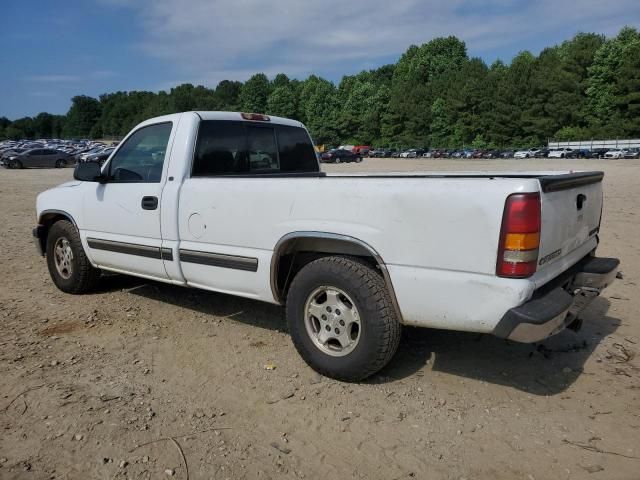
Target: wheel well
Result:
[[294, 252], [47, 219]]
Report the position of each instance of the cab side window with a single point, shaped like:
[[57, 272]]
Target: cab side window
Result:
[[141, 158]]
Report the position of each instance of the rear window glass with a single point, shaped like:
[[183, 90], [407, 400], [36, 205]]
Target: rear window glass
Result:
[[296, 150], [263, 152], [220, 149], [240, 148]]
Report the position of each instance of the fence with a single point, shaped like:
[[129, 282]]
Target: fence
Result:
[[591, 144]]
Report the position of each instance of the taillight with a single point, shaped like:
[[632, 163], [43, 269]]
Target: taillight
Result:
[[519, 236]]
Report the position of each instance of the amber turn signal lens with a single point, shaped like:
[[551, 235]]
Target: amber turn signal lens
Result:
[[521, 241]]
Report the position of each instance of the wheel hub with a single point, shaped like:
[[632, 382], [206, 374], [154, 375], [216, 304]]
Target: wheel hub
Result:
[[332, 321], [63, 257]]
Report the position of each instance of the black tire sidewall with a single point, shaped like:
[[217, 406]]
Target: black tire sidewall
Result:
[[348, 367], [67, 230]]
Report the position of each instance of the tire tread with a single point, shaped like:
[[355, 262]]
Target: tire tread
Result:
[[371, 289], [86, 276]]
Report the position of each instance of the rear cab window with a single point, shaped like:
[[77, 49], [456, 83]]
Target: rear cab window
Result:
[[226, 147]]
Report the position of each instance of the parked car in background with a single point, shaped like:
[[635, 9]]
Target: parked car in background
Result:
[[586, 153], [10, 152], [39, 157], [412, 153], [100, 157], [632, 153], [599, 152], [563, 153], [542, 153], [614, 153], [530, 153], [340, 156], [362, 150], [379, 153], [507, 154], [99, 148], [491, 154]]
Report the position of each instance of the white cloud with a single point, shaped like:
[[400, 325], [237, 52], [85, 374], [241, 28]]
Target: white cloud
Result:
[[209, 40], [53, 78], [68, 78]]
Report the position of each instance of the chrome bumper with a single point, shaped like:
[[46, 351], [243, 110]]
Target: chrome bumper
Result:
[[549, 313]]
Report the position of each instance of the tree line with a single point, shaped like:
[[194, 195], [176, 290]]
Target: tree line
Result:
[[434, 96]]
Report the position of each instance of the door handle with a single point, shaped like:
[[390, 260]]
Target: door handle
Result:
[[149, 203]]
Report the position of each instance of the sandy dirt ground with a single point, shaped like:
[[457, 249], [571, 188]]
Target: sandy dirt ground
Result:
[[145, 380]]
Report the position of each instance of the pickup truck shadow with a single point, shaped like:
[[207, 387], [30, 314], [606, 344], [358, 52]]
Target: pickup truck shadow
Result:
[[539, 369], [238, 309], [545, 368]]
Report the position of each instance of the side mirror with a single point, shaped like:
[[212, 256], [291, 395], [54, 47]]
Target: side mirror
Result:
[[88, 172]]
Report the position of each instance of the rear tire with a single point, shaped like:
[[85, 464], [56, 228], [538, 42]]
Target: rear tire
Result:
[[60, 163], [370, 337], [338, 160], [69, 267]]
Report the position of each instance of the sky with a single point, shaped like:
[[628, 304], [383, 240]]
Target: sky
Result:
[[53, 50]]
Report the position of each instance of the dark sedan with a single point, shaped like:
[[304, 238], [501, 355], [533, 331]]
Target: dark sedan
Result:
[[340, 156], [39, 157], [491, 154], [542, 153]]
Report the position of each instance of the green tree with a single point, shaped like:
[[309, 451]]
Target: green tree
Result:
[[603, 82], [25, 126], [441, 127], [479, 142], [82, 116], [318, 105], [412, 92], [228, 95], [282, 101], [435, 95], [254, 94]]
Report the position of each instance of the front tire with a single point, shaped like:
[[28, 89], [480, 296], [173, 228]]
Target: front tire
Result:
[[60, 163], [338, 160], [68, 264], [341, 318]]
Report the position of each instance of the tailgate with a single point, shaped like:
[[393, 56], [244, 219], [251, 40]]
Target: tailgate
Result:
[[571, 209]]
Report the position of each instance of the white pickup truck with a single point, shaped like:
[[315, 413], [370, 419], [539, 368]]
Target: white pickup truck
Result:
[[236, 203]]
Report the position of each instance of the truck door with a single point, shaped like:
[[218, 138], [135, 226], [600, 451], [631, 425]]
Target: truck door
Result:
[[122, 216]]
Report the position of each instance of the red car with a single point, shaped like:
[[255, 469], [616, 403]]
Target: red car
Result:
[[361, 149]]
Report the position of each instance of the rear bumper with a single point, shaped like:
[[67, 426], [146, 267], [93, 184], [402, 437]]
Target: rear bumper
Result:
[[551, 310]]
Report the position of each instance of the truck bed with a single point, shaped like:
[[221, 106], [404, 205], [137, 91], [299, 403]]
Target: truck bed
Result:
[[549, 180]]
